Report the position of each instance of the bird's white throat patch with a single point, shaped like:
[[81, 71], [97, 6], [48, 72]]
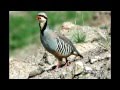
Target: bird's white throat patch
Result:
[[42, 25]]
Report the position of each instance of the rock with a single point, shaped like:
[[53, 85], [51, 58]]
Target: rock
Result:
[[93, 60], [49, 67], [67, 25], [11, 58], [96, 58], [68, 72], [36, 72], [102, 56], [88, 68], [51, 59], [87, 76], [108, 76], [50, 75], [79, 67], [19, 69]]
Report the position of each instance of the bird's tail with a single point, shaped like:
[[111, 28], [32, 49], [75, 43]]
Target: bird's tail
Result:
[[81, 56]]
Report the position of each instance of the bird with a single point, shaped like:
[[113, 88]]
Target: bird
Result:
[[56, 44]]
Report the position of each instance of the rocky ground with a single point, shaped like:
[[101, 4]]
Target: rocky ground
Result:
[[35, 63]]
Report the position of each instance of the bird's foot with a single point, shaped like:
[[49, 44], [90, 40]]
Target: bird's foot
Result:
[[67, 63], [56, 67], [59, 66]]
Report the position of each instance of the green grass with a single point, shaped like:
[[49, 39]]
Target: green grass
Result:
[[21, 30], [78, 37], [24, 29]]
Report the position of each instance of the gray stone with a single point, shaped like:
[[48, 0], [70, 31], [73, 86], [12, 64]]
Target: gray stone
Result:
[[79, 67], [19, 69]]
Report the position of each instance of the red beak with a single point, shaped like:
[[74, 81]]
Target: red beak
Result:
[[38, 17]]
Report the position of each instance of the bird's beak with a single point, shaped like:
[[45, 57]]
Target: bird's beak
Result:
[[38, 17]]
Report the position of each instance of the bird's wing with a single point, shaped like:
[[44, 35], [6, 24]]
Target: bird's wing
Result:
[[65, 39]]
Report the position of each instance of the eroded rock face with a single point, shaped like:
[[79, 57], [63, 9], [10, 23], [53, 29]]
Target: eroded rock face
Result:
[[80, 69], [19, 69], [96, 63]]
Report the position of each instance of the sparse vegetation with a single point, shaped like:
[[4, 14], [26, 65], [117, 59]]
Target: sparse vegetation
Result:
[[78, 37], [105, 40], [104, 27]]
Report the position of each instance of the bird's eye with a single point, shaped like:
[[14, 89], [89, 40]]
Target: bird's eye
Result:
[[38, 17]]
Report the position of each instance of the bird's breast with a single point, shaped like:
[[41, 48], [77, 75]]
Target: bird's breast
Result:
[[48, 43]]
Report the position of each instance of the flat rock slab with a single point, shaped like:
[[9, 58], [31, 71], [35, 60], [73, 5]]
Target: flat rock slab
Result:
[[19, 69]]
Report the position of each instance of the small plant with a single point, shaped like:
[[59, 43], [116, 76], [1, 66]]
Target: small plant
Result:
[[78, 36], [105, 40], [104, 27], [106, 43]]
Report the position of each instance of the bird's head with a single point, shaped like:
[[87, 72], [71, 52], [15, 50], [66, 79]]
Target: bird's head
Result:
[[41, 17]]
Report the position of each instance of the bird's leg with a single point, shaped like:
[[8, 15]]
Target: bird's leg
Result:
[[59, 64], [67, 62]]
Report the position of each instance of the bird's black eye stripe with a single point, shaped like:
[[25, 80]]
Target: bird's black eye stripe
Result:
[[43, 16]]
